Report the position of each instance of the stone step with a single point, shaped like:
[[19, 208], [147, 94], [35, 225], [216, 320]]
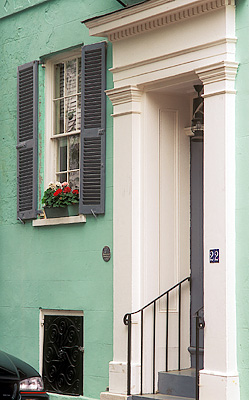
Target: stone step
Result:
[[177, 383], [158, 396]]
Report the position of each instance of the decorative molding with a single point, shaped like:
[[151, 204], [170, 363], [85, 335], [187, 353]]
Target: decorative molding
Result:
[[125, 94], [168, 17], [174, 54], [188, 131], [224, 70], [125, 113], [219, 92]]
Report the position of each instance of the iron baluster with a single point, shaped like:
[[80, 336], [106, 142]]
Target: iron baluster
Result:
[[179, 329], [142, 339], [154, 346], [167, 331]]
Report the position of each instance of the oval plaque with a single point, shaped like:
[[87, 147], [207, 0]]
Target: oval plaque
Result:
[[106, 253]]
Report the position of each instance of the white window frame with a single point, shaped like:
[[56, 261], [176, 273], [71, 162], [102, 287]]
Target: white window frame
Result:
[[50, 148]]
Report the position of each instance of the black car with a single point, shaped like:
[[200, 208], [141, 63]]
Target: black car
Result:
[[18, 380]]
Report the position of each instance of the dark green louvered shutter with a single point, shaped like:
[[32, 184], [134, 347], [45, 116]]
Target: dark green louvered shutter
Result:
[[27, 113], [93, 131]]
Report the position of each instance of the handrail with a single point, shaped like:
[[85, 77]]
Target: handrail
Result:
[[157, 298], [127, 321]]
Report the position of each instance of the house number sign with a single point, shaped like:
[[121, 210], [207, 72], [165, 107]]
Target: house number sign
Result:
[[106, 253], [214, 255]]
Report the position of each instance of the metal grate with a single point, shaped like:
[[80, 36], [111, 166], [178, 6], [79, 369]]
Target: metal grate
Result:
[[63, 354], [25, 179], [92, 89], [92, 171], [26, 99]]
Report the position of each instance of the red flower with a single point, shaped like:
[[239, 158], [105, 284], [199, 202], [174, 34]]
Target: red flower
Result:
[[58, 191], [75, 191], [67, 189]]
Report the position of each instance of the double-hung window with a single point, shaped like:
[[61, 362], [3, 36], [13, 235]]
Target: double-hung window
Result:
[[75, 128]]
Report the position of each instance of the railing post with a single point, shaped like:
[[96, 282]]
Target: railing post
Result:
[[200, 324], [154, 347], [167, 331], [179, 330], [197, 357], [142, 341], [127, 321]]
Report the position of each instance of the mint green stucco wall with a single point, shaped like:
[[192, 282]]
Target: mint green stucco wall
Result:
[[242, 190], [58, 267]]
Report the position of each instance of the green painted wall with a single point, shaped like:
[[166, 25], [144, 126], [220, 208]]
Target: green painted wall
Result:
[[242, 200], [58, 267]]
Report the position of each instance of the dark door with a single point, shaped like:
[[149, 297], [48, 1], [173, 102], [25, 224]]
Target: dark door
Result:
[[196, 204]]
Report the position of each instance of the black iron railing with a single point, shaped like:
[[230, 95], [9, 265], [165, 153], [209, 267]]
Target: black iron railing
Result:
[[200, 324], [127, 321]]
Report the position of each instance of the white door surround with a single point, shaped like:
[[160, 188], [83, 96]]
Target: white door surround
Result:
[[166, 47]]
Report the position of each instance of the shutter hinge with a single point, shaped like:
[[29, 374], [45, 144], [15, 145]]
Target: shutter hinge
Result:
[[101, 132], [81, 349], [93, 213]]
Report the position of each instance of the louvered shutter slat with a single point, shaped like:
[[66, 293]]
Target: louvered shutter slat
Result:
[[27, 113], [93, 135]]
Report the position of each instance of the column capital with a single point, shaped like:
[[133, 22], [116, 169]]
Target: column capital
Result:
[[125, 94], [218, 78]]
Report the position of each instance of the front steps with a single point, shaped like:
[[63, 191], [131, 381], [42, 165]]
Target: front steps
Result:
[[177, 383], [173, 385]]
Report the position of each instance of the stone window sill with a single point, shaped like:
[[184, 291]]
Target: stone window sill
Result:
[[78, 219]]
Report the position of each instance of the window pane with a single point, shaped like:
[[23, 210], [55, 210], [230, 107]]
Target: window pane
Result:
[[59, 80], [74, 181], [71, 77], [71, 114], [74, 152], [59, 116], [61, 177], [62, 152]]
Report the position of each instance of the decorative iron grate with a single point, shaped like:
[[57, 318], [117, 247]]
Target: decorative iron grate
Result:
[[63, 354]]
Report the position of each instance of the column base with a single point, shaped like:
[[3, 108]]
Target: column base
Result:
[[112, 396], [118, 378], [215, 386]]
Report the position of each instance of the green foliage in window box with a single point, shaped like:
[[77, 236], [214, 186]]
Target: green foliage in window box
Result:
[[60, 195]]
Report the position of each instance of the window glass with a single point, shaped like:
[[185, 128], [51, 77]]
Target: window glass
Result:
[[67, 119]]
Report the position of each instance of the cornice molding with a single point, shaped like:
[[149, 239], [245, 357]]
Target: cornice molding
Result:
[[225, 70], [130, 26], [125, 94]]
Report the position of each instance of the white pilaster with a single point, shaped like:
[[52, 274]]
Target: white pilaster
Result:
[[126, 230], [219, 379]]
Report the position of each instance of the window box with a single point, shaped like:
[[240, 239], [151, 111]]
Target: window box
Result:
[[58, 212], [73, 210]]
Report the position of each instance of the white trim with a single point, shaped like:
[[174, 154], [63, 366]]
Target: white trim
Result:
[[77, 219], [174, 54]]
